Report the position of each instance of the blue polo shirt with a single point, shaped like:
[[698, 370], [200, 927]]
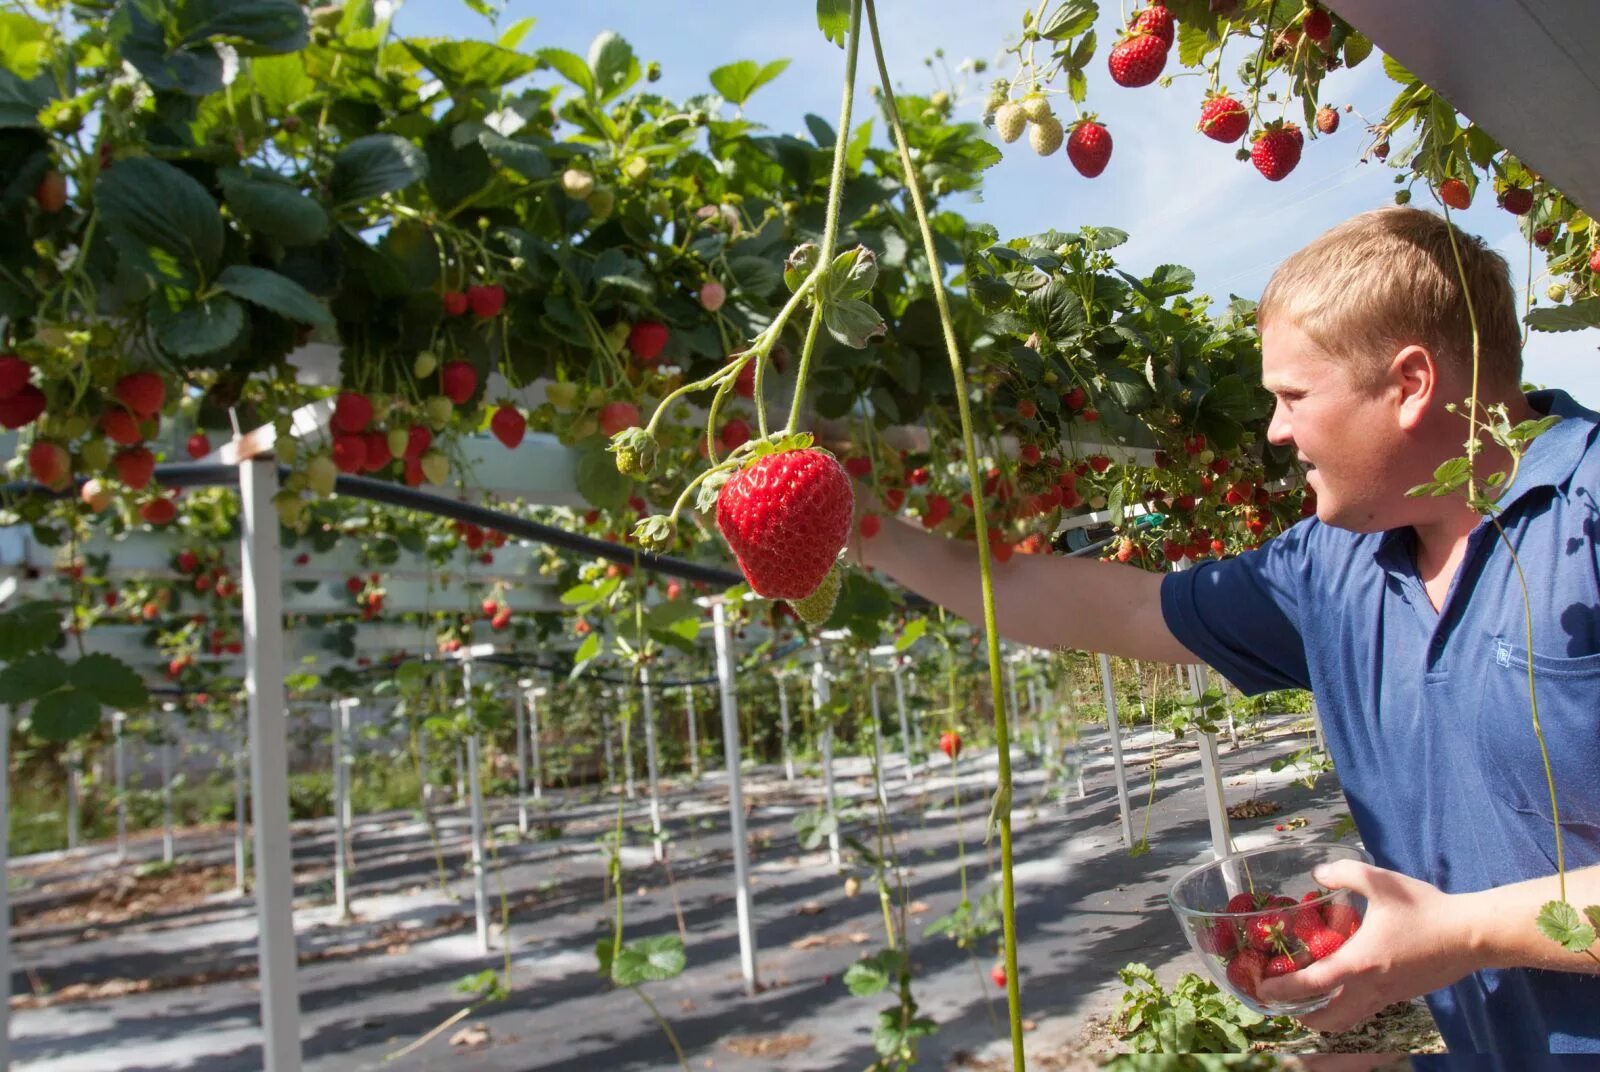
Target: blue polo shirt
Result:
[[1426, 713]]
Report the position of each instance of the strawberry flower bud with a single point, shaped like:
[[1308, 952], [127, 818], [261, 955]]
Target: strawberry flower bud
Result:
[[655, 533], [636, 451]]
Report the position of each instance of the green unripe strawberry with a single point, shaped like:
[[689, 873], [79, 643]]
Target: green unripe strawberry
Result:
[[576, 184], [286, 449], [1036, 108], [636, 451], [427, 361], [398, 439], [1046, 135], [601, 202], [1557, 292], [291, 509], [1010, 121], [95, 454], [563, 395], [321, 475], [438, 409], [436, 467]]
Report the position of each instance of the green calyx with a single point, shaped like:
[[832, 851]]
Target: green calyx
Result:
[[636, 451]]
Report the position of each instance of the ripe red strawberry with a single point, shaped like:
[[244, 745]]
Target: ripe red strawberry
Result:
[[1594, 260], [1341, 918], [1542, 237], [786, 517], [950, 744], [615, 416], [349, 453], [1030, 454], [1137, 60], [1268, 932], [51, 193], [871, 525], [1074, 399], [159, 511], [352, 412], [894, 498], [735, 434], [918, 477], [745, 383], [1156, 21], [1277, 150], [858, 467], [1517, 201], [455, 303], [937, 510], [418, 440], [501, 619], [486, 301], [14, 374], [141, 392], [49, 462], [1089, 148], [1027, 409], [199, 445], [188, 561], [1323, 943], [1246, 971], [1317, 24], [121, 427], [646, 340], [1223, 119], [1099, 462], [509, 426], [1327, 119], [1282, 964], [135, 466], [998, 974], [378, 453], [1216, 936], [1454, 193], [458, 379]]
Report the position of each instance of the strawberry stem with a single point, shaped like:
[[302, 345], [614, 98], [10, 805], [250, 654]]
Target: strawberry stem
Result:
[[985, 571]]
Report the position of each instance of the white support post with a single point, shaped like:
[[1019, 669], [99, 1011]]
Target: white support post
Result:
[[1014, 715], [1033, 710], [694, 731], [627, 754], [741, 847], [167, 854], [905, 727], [819, 701], [119, 758], [1115, 729], [652, 762], [262, 590], [916, 720], [533, 741], [74, 788], [349, 783], [1138, 678], [340, 712], [480, 888], [241, 854], [605, 731], [1211, 776], [461, 771], [877, 740], [519, 702], [5, 886], [783, 723], [1233, 729], [1316, 722]]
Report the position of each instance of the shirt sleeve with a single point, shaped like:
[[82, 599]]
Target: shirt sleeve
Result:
[[1243, 615]]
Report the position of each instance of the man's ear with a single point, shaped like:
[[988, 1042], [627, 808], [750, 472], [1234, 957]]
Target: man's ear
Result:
[[1414, 378]]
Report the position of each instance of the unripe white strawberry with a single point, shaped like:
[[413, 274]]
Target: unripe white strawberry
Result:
[[1046, 135], [1009, 121], [1036, 108], [577, 184]]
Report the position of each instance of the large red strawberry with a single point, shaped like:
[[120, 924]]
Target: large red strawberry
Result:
[[647, 339], [135, 466], [509, 426], [486, 301], [1323, 943], [1156, 21], [615, 416], [14, 374], [158, 511], [352, 412], [455, 303], [786, 517], [1454, 193], [1341, 918], [1223, 119], [199, 445], [735, 434], [22, 408], [48, 462], [51, 193], [378, 453], [950, 744], [1269, 932], [1317, 24], [1284, 964], [121, 427], [1517, 201], [1277, 150], [1246, 971], [1089, 148], [142, 392], [1217, 936], [458, 379], [1137, 60], [349, 452]]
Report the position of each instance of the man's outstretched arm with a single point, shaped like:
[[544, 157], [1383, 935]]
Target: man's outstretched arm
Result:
[[1048, 601]]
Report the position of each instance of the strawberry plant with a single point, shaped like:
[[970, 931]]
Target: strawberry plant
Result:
[[1194, 1016]]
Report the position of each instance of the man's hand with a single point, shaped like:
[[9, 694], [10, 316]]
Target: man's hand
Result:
[[1414, 939]]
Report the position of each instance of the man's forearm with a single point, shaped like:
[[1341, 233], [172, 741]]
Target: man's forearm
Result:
[[1048, 601], [1503, 929]]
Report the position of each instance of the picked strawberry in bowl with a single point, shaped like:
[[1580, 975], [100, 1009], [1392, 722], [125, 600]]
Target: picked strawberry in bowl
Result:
[[1259, 915]]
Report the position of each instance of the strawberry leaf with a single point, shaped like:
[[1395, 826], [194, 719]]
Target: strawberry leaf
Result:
[[1560, 922], [874, 974], [853, 322]]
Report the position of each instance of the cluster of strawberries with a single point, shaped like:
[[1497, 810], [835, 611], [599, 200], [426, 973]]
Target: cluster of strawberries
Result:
[[1275, 936]]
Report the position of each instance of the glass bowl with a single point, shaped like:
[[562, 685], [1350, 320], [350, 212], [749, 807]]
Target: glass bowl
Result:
[[1242, 935]]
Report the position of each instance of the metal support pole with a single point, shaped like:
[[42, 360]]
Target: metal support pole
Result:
[[627, 757], [262, 590], [783, 722], [120, 765], [877, 741], [905, 728], [652, 762], [166, 802], [1115, 729], [519, 702], [1033, 710], [1233, 729], [461, 771], [730, 749], [341, 877], [819, 701], [74, 787], [533, 741], [241, 854], [916, 719], [1316, 722], [1211, 776], [480, 887], [605, 730], [694, 730], [5, 886]]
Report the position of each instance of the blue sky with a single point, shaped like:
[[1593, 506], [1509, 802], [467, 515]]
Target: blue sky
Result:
[[1183, 198]]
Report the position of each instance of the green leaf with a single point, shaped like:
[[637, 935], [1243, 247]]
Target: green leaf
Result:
[[375, 165], [874, 974], [1356, 49], [252, 27], [20, 101], [1056, 310], [463, 66], [811, 827], [569, 66], [1592, 914], [911, 634], [649, 960], [155, 204], [513, 35], [614, 65], [737, 81], [833, 19], [579, 594], [110, 681], [853, 322], [278, 293], [28, 627], [755, 276], [1560, 922], [1193, 43], [589, 649], [1396, 72], [1069, 20], [199, 328], [32, 677], [597, 478], [603, 950], [65, 714], [1584, 313], [282, 82], [522, 157], [274, 208]]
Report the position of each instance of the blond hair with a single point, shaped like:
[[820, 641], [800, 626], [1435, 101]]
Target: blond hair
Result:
[[1387, 279]]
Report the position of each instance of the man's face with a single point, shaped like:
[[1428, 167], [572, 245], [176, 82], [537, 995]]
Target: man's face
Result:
[[1344, 432]]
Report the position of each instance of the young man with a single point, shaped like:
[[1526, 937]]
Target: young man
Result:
[[1406, 617]]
